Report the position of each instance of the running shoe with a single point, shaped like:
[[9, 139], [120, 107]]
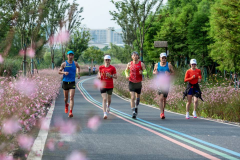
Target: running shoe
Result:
[[105, 116], [194, 114], [66, 108], [134, 115], [70, 115], [187, 115], [136, 111], [162, 116]]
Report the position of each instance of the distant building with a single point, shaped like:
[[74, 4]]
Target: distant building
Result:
[[103, 37]]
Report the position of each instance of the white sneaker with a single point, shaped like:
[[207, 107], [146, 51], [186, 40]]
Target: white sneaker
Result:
[[194, 114], [187, 115], [105, 116]]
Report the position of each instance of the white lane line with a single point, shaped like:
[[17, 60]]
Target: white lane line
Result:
[[126, 99], [36, 152]]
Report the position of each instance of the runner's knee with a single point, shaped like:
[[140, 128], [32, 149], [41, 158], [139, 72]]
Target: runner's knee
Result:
[[71, 98]]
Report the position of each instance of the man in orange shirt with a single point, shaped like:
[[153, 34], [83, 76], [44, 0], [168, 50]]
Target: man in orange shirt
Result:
[[193, 77]]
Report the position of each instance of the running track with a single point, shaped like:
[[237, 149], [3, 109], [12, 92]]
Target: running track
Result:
[[146, 138]]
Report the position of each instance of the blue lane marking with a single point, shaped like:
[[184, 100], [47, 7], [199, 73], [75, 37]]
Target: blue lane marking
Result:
[[173, 131]]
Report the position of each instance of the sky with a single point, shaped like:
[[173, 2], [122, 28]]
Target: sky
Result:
[[96, 13]]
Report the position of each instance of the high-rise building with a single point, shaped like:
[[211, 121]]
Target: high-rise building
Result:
[[106, 36]]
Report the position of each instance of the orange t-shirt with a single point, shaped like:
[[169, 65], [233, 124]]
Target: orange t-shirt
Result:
[[189, 76]]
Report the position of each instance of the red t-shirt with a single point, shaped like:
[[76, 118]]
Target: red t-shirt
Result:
[[107, 80], [189, 76], [135, 76]]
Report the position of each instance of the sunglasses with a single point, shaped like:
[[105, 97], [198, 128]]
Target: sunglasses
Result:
[[164, 57], [194, 64], [107, 59]]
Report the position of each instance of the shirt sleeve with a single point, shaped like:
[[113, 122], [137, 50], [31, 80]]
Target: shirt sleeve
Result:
[[114, 70], [187, 77]]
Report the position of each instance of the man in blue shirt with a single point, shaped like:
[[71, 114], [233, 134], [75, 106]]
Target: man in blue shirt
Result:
[[68, 69]]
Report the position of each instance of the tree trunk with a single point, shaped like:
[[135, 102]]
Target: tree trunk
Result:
[[63, 53], [52, 55]]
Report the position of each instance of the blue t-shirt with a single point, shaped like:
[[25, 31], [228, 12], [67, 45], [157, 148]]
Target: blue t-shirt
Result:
[[71, 69], [161, 69]]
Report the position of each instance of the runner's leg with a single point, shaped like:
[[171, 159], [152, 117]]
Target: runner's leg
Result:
[[195, 103], [72, 93], [132, 99], [65, 92], [161, 104], [104, 97], [189, 98]]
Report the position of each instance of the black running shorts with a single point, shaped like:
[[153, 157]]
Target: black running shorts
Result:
[[106, 90], [135, 87], [165, 93], [68, 85]]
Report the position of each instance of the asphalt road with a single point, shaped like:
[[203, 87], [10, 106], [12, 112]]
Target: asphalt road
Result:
[[147, 138]]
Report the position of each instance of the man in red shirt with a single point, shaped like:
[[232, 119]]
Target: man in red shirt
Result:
[[106, 73], [193, 77], [137, 70]]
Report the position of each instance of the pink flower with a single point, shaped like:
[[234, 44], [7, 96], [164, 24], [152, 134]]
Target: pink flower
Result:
[[162, 82], [11, 126], [44, 124], [98, 83], [63, 37], [6, 157], [66, 127], [31, 52], [4, 71], [94, 123], [1, 59], [51, 145], [25, 86], [21, 52], [51, 40], [25, 142], [76, 155]]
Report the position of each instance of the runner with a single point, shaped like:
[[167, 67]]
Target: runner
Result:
[[94, 69], [166, 69], [68, 69], [89, 70], [106, 73], [137, 70], [193, 77]]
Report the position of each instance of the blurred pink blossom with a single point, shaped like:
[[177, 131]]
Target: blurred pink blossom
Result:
[[98, 83], [25, 86], [51, 144], [25, 142], [21, 52], [65, 126], [11, 126], [162, 82], [63, 37], [31, 52], [1, 59], [60, 144], [76, 155], [94, 123], [44, 124], [4, 156]]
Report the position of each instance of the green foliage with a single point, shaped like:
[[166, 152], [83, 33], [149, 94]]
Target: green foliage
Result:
[[123, 54], [93, 54], [79, 42], [225, 31]]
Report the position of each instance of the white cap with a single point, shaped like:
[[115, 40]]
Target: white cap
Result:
[[107, 57], [193, 61], [163, 55]]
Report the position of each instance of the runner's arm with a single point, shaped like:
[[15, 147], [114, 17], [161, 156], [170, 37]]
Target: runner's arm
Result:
[[187, 78], [155, 69], [78, 68], [62, 68], [144, 69], [126, 70], [200, 77]]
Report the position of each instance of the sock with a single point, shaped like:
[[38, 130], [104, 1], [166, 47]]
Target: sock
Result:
[[137, 101], [133, 109], [70, 111], [105, 112]]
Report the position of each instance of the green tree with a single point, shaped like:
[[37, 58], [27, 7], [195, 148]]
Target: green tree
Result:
[[79, 42], [92, 54], [225, 31]]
